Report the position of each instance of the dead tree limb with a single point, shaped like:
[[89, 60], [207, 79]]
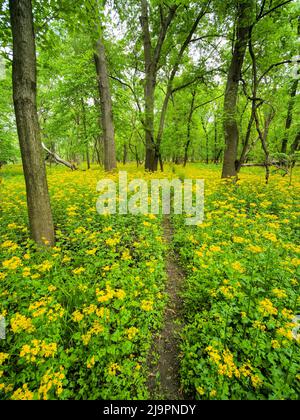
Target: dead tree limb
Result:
[[58, 159]]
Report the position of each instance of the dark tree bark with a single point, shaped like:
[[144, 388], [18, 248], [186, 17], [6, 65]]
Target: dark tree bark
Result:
[[151, 60], [289, 117], [110, 162], [24, 93], [296, 144], [173, 75], [125, 154], [231, 131], [216, 139], [261, 134], [86, 140], [206, 140], [189, 126]]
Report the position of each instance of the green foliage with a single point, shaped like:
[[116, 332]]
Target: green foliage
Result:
[[80, 317], [242, 293], [8, 138]]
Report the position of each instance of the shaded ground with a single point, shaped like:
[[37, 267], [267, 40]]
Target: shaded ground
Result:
[[164, 381]]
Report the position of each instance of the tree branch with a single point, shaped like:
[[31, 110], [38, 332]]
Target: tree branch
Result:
[[208, 102], [273, 66], [261, 16], [163, 32], [133, 93]]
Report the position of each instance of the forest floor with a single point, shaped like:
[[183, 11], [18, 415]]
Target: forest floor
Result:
[[164, 379], [209, 310]]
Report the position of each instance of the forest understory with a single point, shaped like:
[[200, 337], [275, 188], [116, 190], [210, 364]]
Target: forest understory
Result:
[[149, 200], [121, 299]]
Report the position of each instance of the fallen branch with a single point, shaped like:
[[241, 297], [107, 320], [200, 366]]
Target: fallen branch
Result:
[[58, 159]]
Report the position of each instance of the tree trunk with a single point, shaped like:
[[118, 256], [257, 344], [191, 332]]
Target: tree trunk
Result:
[[289, 117], [172, 77], [296, 144], [24, 94], [246, 143], [188, 138], [86, 140], [151, 61], [151, 154], [216, 139], [206, 140], [231, 131], [125, 153], [110, 162], [149, 90]]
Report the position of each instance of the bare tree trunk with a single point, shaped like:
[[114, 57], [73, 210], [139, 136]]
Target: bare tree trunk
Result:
[[190, 118], [24, 93], [216, 139], [151, 61], [86, 140], [289, 117], [206, 140], [99, 149], [296, 144], [247, 146], [125, 153], [173, 75], [231, 131], [149, 89], [262, 135], [110, 162]]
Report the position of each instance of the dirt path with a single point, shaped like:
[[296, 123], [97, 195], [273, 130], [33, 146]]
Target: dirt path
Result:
[[164, 382]]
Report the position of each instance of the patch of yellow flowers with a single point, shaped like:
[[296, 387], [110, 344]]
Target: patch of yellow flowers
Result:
[[38, 348]]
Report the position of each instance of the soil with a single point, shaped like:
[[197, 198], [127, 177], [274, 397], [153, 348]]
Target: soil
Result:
[[164, 379]]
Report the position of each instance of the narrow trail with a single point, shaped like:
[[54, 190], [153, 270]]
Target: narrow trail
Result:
[[164, 380]]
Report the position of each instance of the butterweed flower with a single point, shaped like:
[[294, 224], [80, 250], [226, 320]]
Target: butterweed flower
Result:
[[113, 369], [267, 308]]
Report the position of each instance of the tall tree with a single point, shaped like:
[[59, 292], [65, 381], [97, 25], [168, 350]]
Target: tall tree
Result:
[[106, 107], [231, 131], [151, 59], [289, 118], [24, 93]]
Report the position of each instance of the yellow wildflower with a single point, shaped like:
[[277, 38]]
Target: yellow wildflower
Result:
[[91, 362], [3, 357], [200, 390], [254, 249], [270, 236], [131, 332], [256, 381], [120, 294], [78, 271], [266, 307], [20, 323], [22, 393], [12, 264], [147, 305], [77, 316], [275, 344], [237, 266], [113, 369], [279, 293], [91, 251]]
